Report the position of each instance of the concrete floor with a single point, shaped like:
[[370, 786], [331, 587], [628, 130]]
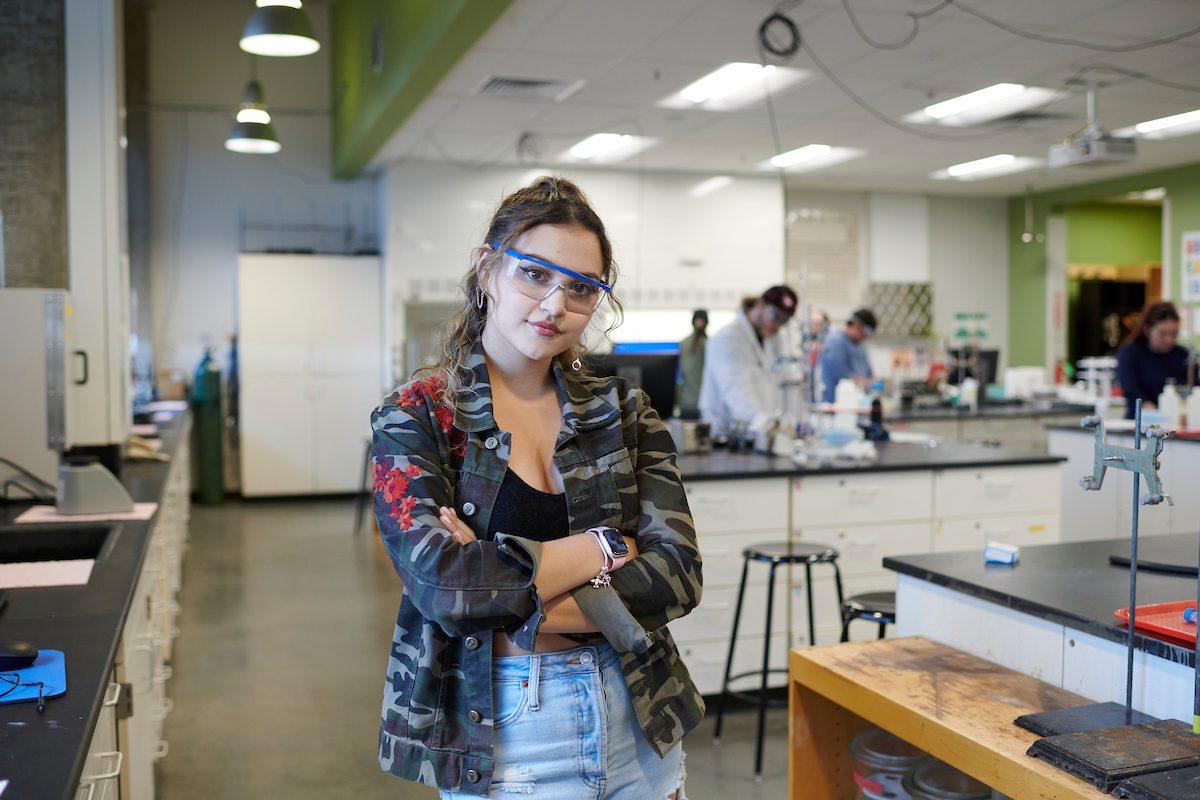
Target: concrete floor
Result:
[[287, 619]]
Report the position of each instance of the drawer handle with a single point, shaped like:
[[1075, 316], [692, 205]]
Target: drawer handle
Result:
[[113, 689], [865, 492], [997, 486], [165, 708], [118, 759]]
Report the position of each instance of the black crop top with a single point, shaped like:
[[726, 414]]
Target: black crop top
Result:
[[523, 511]]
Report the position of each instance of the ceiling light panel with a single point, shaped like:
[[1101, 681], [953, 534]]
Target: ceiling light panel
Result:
[[990, 167], [995, 102], [608, 148], [735, 85], [1165, 127], [811, 157]]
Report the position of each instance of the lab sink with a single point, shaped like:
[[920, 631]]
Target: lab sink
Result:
[[25, 543]]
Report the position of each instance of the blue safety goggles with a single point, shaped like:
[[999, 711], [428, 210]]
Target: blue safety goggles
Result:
[[528, 274]]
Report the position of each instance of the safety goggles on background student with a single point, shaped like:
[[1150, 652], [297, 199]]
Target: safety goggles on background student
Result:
[[537, 279]]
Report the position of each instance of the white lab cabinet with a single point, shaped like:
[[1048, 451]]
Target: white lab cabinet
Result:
[[311, 369], [868, 516]]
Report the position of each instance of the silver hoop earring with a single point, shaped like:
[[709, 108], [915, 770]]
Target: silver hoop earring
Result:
[[479, 298], [576, 365]]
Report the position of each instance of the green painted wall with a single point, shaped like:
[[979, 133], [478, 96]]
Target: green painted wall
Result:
[[422, 40], [1027, 262], [1105, 233]]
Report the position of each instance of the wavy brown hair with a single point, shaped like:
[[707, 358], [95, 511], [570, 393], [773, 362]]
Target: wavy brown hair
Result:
[[548, 200], [1151, 315]]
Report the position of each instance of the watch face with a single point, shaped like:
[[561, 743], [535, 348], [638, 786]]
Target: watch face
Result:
[[616, 542]]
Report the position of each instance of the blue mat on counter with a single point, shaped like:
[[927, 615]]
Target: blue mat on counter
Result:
[[49, 668]]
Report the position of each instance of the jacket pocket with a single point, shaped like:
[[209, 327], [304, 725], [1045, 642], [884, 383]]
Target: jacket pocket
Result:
[[617, 490]]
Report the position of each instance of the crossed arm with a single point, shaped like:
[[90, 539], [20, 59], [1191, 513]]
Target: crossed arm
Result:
[[566, 564]]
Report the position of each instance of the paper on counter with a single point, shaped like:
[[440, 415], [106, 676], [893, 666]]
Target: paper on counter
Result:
[[71, 572], [50, 514]]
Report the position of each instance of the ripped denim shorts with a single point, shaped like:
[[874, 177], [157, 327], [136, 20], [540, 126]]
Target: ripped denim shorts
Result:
[[566, 730]]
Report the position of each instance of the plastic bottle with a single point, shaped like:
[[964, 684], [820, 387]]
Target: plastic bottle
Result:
[[1170, 405], [969, 394], [1193, 408]]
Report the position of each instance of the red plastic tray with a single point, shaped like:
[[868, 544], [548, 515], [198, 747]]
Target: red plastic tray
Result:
[[1164, 621]]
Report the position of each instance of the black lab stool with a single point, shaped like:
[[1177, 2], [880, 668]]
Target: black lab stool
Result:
[[775, 554], [879, 607]]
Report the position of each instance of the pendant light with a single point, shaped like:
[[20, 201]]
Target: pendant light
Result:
[[278, 28], [252, 131]]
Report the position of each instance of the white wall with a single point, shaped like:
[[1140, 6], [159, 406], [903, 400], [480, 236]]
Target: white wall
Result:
[[968, 264], [673, 250], [199, 190]]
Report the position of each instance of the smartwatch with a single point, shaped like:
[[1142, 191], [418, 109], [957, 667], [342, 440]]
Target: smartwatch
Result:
[[614, 547]]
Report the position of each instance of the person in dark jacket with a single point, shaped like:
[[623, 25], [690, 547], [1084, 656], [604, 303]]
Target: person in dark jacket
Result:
[[538, 521], [1150, 356], [691, 365]]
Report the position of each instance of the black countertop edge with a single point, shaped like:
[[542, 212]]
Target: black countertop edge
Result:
[[893, 457], [987, 411], [86, 623], [1097, 619]]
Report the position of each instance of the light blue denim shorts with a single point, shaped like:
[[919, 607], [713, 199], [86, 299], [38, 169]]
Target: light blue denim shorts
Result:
[[566, 730]]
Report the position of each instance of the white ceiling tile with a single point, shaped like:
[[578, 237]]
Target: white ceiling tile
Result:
[[612, 28], [1135, 19]]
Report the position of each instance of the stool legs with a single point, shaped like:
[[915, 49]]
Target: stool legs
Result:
[[882, 629], [762, 694], [846, 625], [737, 617]]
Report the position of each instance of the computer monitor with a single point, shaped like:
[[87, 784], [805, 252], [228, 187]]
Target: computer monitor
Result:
[[653, 372]]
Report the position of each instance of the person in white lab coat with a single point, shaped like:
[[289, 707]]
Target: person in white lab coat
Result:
[[739, 385]]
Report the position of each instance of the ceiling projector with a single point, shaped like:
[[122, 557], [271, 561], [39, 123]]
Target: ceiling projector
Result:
[[1093, 145]]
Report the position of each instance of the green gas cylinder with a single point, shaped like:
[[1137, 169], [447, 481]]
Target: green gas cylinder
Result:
[[207, 430]]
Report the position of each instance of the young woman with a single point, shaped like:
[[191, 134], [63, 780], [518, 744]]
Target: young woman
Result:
[[538, 521], [1150, 356]]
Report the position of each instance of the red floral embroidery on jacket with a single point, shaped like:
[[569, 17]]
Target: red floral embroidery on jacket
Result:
[[393, 483]]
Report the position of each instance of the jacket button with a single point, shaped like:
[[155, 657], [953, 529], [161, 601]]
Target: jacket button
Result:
[[491, 443], [474, 715], [472, 643], [473, 775], [468, 508]]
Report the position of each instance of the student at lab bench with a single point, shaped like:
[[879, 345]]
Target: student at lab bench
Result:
[[1150, 356], [539, 523], [691, 365], [740, 386], [843, 354]]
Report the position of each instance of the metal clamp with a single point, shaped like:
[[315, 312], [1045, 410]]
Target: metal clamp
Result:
[[1143, 460], [113, 689]]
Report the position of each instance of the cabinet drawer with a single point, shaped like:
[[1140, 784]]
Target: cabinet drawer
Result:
[[736, 506], [974, 534], [721, 554], [834, 500], [706, 662], [997, 490], [861, 549]]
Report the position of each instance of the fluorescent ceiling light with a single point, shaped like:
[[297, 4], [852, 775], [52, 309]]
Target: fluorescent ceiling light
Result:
[[811, 157], [609, 148], [1157, 193], [994, 102], [735, 85], [1165, 127], [599, 144], [713, 184], [990, 167], [725, 80]]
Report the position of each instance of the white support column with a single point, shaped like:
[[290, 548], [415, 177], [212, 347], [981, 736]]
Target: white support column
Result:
[[97, 246]]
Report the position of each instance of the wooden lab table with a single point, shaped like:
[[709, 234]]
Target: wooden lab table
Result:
[[954, 706]]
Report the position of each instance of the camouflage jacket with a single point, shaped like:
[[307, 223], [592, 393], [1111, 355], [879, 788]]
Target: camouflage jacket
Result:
[[617, 462]]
